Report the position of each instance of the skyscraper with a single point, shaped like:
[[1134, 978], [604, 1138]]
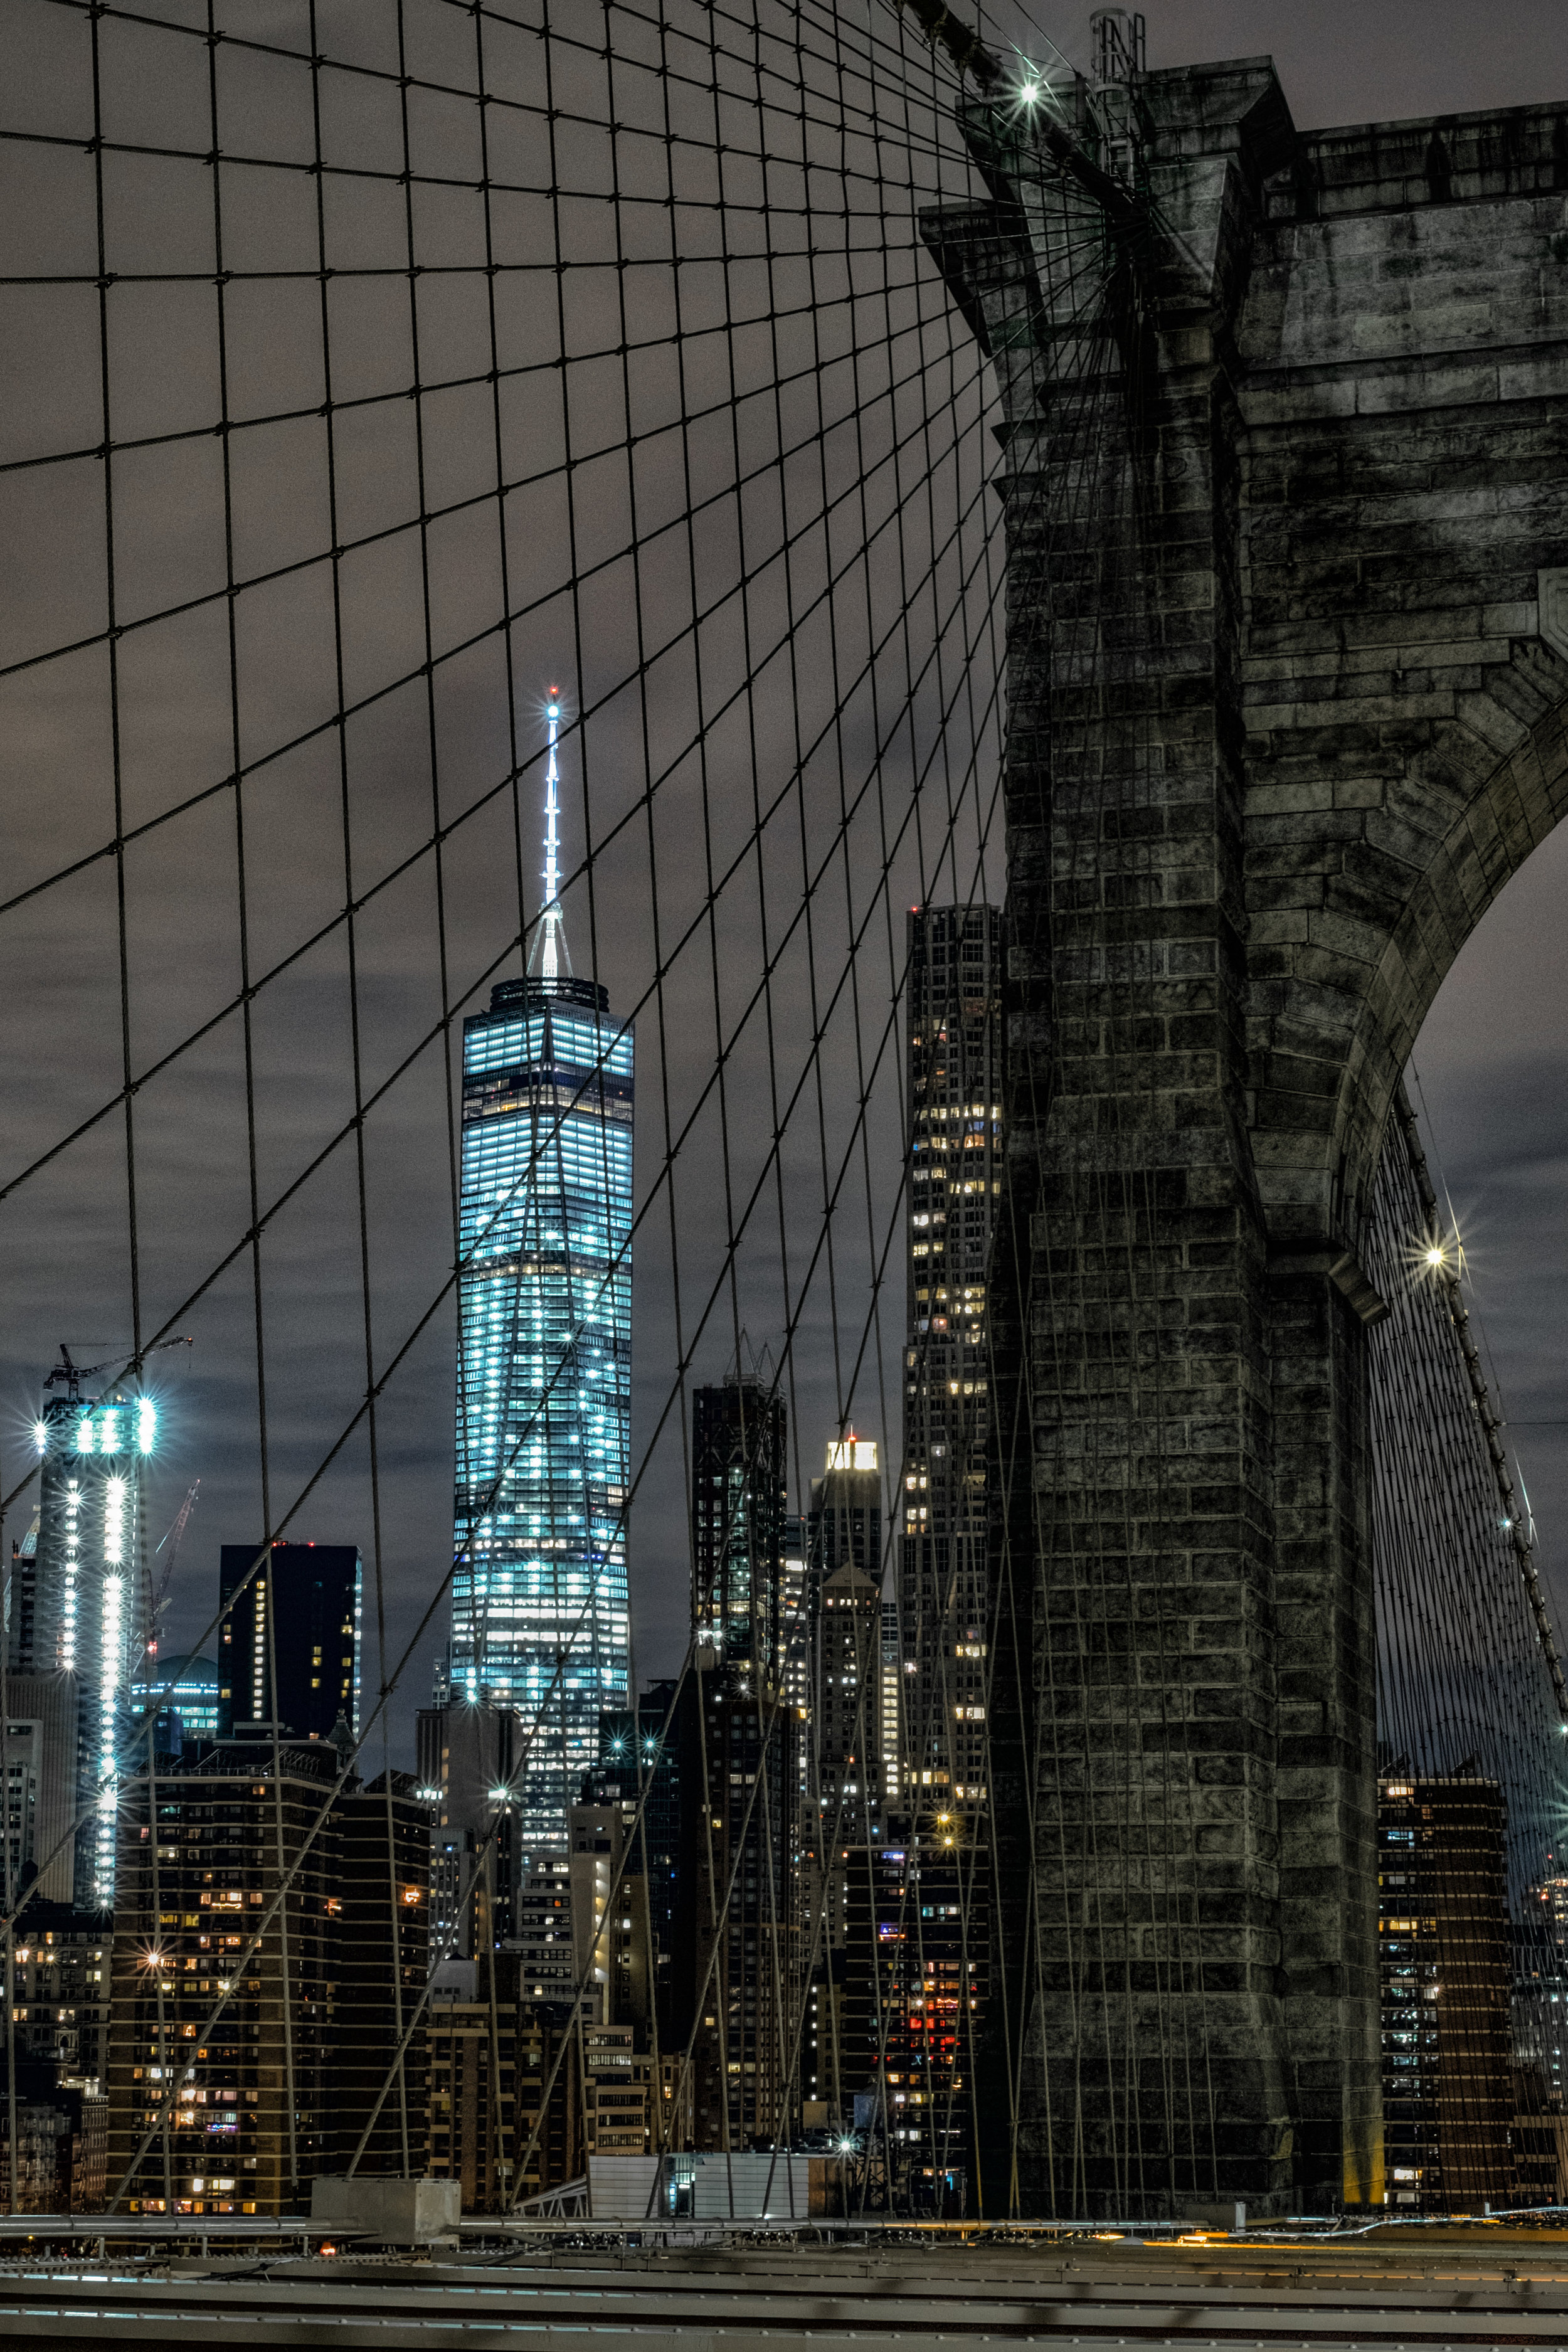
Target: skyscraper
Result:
[[739, 1774], [844, 1526], [847, 1734], [738, 1497], [288, 1649], [539, 1591], [955, 1169], [846, 1713], [843, 1570], [85, 1612]]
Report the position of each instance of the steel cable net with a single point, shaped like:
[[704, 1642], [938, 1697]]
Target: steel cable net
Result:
[[387, 373], [432, 411], [1462, 1676], [1470, 1732]]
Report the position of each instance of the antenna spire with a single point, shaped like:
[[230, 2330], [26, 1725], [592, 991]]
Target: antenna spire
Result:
[[550, 937]]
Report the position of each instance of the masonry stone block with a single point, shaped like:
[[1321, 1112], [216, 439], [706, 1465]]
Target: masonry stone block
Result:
[[1287, 522]]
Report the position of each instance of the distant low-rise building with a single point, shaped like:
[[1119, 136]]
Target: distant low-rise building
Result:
[[62, 1990], [40, 1765], [61, 2143], [59, 2016], [184, 1687]]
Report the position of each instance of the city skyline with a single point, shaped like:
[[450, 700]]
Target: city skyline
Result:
[[783, 978]]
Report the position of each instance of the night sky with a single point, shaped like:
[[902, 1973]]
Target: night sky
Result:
[[850, 363]]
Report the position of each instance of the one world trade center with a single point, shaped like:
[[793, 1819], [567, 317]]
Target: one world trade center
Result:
[[543, 1440]]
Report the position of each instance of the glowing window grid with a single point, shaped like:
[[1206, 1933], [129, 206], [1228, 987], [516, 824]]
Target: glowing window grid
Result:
[[94, 1457], [544, 1390]]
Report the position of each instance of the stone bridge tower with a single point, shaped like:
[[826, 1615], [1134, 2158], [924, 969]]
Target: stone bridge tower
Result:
[[1286, 480]]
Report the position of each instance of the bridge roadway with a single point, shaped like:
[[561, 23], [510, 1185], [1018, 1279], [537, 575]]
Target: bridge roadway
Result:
[[1448, 2289]]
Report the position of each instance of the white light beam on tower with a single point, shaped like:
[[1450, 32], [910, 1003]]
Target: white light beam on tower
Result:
[[552, 926]]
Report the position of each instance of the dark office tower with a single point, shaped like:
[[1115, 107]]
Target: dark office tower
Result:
[[466, 1757], [738, 1492], [843, 1556], [254, 2124], [738, 1762], [86, 1601], [844, 1526], [954, 1017], [739, 1781], [581, 1939], [1444, 1950], [639, 1766], [846, 1732], [61, 1996], [60, 2145], [302, 1610], [62, 1991]]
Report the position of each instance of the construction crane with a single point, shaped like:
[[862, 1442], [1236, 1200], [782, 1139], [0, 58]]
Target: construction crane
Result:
[[74, 1374], [155, 1601], [69, 1375]]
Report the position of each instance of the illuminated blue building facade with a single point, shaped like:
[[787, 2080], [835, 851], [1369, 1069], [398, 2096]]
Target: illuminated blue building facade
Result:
[[539, 1593], [544, 1368], [186, 1687], [86, 1615]]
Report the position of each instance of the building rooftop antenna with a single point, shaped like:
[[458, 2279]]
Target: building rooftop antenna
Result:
[[550, 939]]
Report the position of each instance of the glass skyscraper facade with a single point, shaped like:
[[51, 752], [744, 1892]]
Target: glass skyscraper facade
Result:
[[539, 1594]]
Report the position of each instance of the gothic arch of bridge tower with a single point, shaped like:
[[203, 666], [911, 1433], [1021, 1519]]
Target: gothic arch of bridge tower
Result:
[[1287, 501]]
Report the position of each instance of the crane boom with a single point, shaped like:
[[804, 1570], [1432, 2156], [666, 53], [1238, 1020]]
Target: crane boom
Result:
[[154, 1600], [74, 1374]]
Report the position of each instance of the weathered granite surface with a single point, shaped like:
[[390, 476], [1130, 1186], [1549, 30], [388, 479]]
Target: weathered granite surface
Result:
[[1287, 676]]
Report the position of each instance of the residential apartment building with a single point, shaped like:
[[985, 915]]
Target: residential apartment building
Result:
[[269, 1934]]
